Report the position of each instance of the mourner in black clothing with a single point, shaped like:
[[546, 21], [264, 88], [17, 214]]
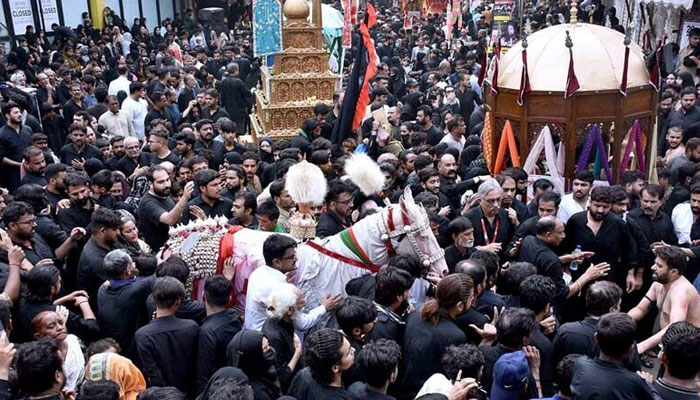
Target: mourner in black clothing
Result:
[[605, 376], [327, 355], [167, 346], [217, 330], [250, 351]]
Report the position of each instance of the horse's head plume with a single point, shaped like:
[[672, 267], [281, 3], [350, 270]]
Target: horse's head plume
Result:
[[365, 173]]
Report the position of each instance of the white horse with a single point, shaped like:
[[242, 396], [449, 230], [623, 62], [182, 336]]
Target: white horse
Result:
[[325, 266]]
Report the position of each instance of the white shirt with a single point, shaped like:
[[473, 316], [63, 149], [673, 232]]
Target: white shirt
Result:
[[452, 142], [682, 218], [116, 124], [568, 207], [136, 113], [117, 85], [261, 284]]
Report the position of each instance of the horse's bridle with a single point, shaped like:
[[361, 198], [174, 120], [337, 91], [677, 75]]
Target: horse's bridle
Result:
[[409, 230]]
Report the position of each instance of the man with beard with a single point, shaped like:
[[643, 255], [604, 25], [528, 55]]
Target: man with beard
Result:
[[81, 205], [337, 216], [55, 189], [692, 153], [577, 200], [429, 179], [492, 225], [685, 215], [104, 227], [14, 137], [540, 251], [656, 225], [461, 232], [20, 221], [116, 144], [79, 150], [209, 203], [115, 121], [391, 298], [517, 210], [607, 236], [135, 162], [394, 117], [665, 106], [184, 146], [633, 181], [76, 102], [672, 294], [424, 118], [280, 196], [234, 182], [244, 207], [157, 211], [35, 164], [674, 138], [688, 114], [205, 131]]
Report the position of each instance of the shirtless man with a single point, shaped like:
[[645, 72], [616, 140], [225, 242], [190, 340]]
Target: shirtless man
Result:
[[674, 295]]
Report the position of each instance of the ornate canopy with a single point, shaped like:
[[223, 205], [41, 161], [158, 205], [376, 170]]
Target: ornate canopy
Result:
[[599, 56]]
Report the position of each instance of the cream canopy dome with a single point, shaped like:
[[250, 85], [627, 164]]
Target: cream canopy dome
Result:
[[599, 55]]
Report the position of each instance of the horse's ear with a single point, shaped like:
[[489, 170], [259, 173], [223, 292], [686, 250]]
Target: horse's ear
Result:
[[408, 195]]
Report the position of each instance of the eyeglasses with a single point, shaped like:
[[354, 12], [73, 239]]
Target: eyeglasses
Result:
[[30, 222], [294, 257], [346, 202]]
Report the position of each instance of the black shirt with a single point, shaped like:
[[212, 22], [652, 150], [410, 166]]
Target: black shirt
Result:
[[472, 317], [127, 165], [538, 253], [216, 332], [544, 345], [222, 207], [305, 387], [69, 153], [91, 273], [487, 301], [597, 379], [577, 338], [362, 286], [172, 157], [360, 391], [329, 224], [389, 325], [525, 229], [453, 256], [38, 251], [12, 144], [668, 391], [424, 344], [32, 177], [167, 347], [612, 244], [657, 230], [122, 310], [151, 207], [280, 333], [74, 217], [217, 148], [505, 227]]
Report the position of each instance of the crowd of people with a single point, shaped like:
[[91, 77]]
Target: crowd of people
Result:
[[111, 137]]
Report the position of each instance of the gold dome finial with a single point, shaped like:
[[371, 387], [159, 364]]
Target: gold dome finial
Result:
[[296, 9], [574, 12]]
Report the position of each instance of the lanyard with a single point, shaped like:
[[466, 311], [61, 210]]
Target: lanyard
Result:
[[486, 235]]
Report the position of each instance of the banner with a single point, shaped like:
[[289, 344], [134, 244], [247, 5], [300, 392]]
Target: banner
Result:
[[50, 12], [22, 15], [267, 27], [504, 23]]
